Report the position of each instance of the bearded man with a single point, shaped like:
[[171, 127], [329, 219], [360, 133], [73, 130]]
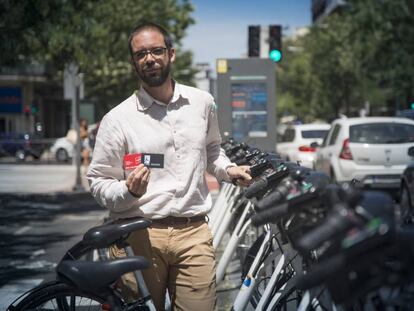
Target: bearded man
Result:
[[150, 158]]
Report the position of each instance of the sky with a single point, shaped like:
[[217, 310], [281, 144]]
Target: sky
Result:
[[220, 30]]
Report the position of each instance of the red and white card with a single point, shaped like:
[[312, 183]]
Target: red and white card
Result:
[[152, 160], [132, 160]]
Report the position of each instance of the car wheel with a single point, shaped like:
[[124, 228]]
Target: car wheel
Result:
[[405, 208], [36, 156], [62, 155], [20, 155]]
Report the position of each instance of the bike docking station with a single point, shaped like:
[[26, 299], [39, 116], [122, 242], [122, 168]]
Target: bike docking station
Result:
[[317, 245]]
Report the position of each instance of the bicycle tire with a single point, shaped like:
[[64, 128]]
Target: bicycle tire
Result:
[[59, 296], [251, 255]]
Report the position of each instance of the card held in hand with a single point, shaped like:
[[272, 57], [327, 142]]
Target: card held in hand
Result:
[[151, 160]]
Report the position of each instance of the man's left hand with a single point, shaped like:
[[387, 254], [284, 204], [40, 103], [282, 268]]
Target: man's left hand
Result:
[[240, 175]]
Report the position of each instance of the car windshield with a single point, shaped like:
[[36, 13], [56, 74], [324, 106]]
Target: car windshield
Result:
[[314, 133], [381, 133]]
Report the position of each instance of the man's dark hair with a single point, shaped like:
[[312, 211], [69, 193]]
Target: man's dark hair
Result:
[[150, 26]]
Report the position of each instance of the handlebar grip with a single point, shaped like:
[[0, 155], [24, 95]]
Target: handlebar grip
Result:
[[255, 187], [320, 273], [334, 224], [271, 215], [272, 199]]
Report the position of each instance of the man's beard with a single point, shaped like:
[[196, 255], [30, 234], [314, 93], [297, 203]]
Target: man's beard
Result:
[[154, 79]]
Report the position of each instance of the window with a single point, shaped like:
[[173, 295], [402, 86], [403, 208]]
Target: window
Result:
[[314, 133], [289, 135], [381, 133], [334, 134]]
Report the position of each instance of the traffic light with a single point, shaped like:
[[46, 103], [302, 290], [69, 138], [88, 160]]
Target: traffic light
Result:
[[275, 43], [254, 41]]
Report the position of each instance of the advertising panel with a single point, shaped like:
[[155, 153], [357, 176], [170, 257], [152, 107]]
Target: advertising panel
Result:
[[11, 100], [249, 115]]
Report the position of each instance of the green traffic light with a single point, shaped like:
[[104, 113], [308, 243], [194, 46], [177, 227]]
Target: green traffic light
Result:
[[275, 55], [412, 105]]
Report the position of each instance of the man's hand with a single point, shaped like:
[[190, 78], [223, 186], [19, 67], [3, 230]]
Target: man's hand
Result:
[[137, 181], [240, 175]]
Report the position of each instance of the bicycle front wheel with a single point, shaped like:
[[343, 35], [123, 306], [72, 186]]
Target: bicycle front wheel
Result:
[[59, 296]]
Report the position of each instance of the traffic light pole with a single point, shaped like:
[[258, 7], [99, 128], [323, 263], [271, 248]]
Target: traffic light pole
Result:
[[75, 109]]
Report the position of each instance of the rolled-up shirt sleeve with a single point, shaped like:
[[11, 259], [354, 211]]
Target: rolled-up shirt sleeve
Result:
[[217, 161], [106, 174]]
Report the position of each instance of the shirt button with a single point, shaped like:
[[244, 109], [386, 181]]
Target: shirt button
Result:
[[178, 156]]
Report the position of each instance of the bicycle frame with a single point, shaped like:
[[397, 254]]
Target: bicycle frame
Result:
[[249, 283], [239, 231]]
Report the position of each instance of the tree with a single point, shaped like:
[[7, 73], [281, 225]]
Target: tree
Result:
[[362, 54], [295, 84], [383, 42], [92, 34]]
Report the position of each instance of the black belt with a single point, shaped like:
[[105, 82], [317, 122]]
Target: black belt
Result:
[[171, 220]]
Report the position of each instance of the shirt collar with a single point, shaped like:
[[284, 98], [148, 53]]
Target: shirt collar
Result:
[[145, 100]]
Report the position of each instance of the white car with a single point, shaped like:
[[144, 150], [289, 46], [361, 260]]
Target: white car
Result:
[[63, 149], [372, 150], [295, 143]]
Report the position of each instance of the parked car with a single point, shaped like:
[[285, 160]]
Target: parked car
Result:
[[20, 145], [64, 147], [295, 143], [407, 191], [372, 150]]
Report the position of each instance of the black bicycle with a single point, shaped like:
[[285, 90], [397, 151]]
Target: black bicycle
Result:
[[83, 284]]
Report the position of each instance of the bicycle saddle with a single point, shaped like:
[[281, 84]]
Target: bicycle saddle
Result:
[[94, 276], [107, 234]]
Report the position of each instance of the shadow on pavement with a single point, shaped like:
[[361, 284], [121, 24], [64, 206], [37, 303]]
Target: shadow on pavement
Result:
[[29, 228]]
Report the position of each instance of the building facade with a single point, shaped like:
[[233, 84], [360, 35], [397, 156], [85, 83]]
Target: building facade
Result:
[[30, 96]]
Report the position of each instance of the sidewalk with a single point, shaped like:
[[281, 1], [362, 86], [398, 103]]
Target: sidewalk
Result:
[[50, 181], [41, 183]]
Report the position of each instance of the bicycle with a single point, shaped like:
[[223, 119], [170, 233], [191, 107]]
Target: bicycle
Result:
[[82, 284]]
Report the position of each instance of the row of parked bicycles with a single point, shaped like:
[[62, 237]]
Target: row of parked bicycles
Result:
[[317, 246]]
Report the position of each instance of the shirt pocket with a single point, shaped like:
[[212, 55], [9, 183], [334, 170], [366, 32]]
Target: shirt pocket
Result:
[[195, 134]]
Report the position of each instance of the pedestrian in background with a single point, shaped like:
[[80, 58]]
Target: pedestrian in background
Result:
[[175, 126], [85, 147]]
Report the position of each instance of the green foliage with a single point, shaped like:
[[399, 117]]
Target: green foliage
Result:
[[93, 34], [364, 53]]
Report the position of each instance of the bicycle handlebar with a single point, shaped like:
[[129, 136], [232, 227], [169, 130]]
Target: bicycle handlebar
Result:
[[271, 215], [337, 222]]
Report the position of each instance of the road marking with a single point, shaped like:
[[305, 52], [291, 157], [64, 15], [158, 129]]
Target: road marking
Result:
[[37, 253], [74, 217], [23, 230]]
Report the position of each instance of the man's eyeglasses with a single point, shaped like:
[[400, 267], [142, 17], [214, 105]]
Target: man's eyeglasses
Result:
[[156, 52]]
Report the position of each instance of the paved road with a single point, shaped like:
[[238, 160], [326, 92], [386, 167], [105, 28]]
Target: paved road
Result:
[[31, 178], [36, 229], [33, 238]]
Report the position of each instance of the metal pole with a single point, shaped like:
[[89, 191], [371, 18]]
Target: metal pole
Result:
[[78, 183]]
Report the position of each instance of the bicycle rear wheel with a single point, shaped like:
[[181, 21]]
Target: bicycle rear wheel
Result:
[[59, 296]]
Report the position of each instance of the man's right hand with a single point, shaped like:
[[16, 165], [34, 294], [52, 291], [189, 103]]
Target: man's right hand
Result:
[[137, 181]]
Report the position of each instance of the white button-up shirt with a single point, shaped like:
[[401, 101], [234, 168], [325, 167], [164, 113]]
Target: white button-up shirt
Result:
[[185, 131]]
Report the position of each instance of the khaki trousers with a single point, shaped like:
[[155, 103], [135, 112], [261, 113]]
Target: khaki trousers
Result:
[[182, 260]]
